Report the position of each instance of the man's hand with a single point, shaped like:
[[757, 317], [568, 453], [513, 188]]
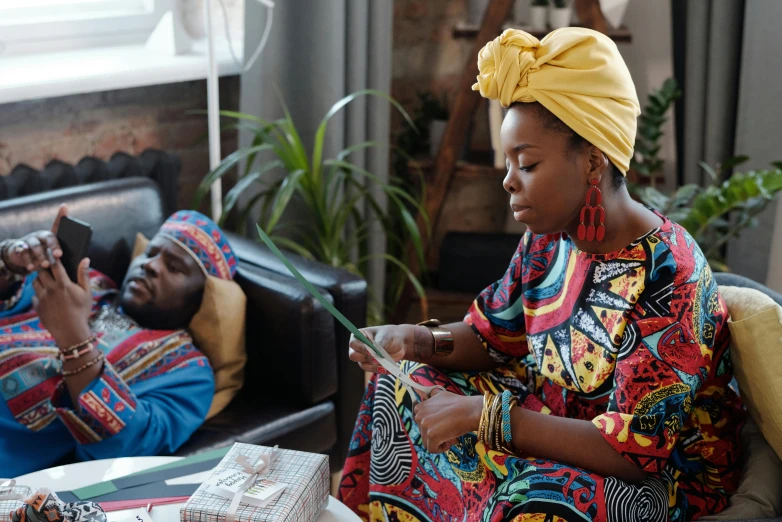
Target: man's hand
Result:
[[31, 252], [64, 306], [446, 416]]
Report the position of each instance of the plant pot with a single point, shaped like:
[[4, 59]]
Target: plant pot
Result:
[[537, 17], [559, 17], [436, 131]]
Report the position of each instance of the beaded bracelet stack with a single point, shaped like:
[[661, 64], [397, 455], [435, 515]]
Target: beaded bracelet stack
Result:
[[77, 351], [494, 429]]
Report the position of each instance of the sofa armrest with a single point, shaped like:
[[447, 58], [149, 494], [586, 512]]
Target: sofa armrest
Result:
[[728, 279], [350, 297], [290, 341]]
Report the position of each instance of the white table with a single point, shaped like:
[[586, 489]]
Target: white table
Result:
[[72, 476]]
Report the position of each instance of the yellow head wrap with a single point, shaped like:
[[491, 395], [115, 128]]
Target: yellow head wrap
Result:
[[577, 74]]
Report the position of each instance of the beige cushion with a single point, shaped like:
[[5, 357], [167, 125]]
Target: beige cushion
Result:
[[218, 331], [759, 494], [756, 335]]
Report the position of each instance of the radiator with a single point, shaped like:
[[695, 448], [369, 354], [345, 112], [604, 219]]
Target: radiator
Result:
[[157, 165]]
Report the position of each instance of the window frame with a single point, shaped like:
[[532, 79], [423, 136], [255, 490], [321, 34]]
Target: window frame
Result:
[[72, 28]]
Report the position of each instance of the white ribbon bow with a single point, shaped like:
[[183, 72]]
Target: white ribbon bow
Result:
[[6, 487], [262, 466]]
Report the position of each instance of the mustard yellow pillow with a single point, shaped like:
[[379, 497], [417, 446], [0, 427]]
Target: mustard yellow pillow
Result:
[[756, 335], [218, 331]]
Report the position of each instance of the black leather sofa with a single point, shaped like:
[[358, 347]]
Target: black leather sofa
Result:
[[301, 391]]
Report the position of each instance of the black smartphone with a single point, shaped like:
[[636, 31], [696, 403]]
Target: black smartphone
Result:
[[74, 236]]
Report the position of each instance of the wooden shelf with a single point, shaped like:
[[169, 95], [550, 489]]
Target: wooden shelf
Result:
[[463, 30]]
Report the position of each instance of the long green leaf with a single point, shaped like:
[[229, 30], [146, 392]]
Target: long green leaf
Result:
[[283, 197], [414, 233], [294, 246], [709, 170], [389, 189], [248, 117], [225, 166], [233, 195], [344, 153], [419, 288], [248, 207], [317, 153]]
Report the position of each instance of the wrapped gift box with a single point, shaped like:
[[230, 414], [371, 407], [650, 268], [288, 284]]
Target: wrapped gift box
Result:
[[303, 500], [7, 506]]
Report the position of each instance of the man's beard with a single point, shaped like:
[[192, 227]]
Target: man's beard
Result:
[[151, 317]]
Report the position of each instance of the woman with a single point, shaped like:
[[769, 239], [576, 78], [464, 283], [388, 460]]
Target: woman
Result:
[[607, 331]]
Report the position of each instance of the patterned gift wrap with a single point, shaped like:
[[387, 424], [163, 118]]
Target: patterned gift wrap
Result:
[[44, 506], [7, 506], [307, 477]]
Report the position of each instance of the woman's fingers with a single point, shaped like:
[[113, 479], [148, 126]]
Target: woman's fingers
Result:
[[359, 355], [369, 368]]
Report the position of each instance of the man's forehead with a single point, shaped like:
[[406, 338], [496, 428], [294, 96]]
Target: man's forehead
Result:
[[172, 248]]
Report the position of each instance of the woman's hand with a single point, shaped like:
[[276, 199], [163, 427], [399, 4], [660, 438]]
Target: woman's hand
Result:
[[446, 416], [63, 306], [31, 252], [400, 341]]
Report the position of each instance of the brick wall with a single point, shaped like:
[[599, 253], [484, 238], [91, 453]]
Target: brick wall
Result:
[[129, 120], [427, 57]]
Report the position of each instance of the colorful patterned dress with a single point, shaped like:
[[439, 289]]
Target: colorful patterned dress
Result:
[[154, 390], [635, 341]]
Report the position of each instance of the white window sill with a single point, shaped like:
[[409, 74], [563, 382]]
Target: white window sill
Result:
[[35, 76]]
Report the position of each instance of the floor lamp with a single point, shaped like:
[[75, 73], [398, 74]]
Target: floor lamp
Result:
[[213, 94], [171, 36]]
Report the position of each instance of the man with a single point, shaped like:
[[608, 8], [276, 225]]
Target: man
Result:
[[92, 372]]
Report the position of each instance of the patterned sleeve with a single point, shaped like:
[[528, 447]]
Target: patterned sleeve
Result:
[[497, 314], [20, 301], [675, 332], [151, 417]]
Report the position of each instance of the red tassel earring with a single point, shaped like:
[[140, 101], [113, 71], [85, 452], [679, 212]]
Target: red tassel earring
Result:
[[596, 229]]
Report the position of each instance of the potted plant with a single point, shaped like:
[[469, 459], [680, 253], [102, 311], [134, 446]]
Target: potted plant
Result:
[[715, 214], [646, 163], [537, 14], [559, 16], [339, 208]]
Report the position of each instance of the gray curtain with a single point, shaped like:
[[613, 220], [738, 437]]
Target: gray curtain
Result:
[[712, 57], [758, 252], [726, 61], [318, 52]]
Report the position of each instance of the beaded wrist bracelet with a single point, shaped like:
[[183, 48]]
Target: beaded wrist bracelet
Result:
[[77, 350], [71, 373]]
